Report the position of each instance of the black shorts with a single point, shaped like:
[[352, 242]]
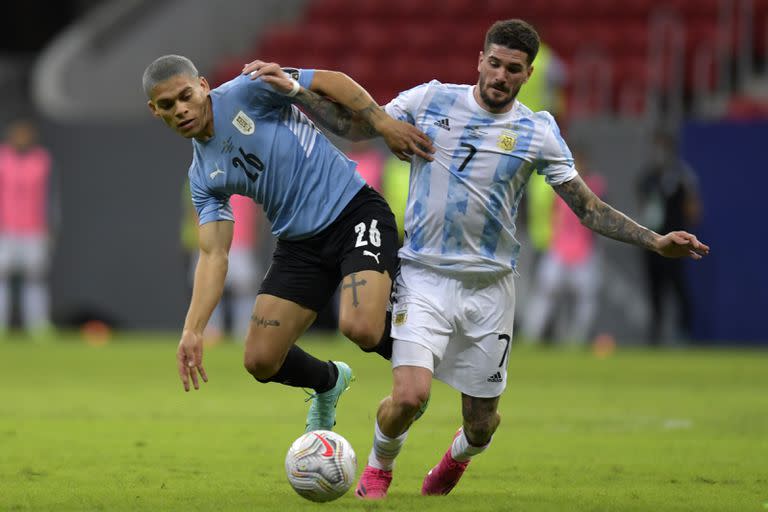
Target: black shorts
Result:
[[363, 237]]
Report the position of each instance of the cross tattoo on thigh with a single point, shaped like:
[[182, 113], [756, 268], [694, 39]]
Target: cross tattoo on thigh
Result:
[[354, 284]]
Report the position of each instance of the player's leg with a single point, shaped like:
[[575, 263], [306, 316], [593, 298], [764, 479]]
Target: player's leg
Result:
[[35, 300], [6, 257], [363, 316], [543, 297], [677, 282], [396, 413], [275, 326], [655, 272], [421, 328], [366, 237], [481, 420], [297, 286], [241, 279], [410, 392], [585, 279], [475, 363], [271, 355]]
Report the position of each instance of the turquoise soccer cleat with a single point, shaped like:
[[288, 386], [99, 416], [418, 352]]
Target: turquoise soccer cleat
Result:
[[322, 411]]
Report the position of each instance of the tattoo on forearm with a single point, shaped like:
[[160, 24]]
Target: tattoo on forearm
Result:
[[330, 115], [371, 112], [336, 118], [354, 283], [601, 217], [264, 322]]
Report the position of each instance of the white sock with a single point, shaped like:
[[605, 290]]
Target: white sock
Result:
[[385, 449], [462, 451]]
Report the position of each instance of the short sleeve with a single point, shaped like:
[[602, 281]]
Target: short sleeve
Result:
[[555, 161], [210, 208], [406, 104]]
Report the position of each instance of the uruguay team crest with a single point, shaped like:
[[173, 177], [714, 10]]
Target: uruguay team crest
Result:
[[243, 123], [400, 317], [507, 140]]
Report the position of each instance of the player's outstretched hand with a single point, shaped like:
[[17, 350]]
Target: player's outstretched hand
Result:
[[405, 140], [189, 357], [680, 244], [271, 73]]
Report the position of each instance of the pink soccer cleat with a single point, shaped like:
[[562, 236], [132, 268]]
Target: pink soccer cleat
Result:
[[443, 477], [373, 484]]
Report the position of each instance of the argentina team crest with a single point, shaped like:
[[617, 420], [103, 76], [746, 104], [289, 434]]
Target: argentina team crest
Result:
[[400, 317], [507, 140], [243, 123]]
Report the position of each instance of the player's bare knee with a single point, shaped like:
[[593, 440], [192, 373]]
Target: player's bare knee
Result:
[[260, 368], [364, 332], [410, 401]]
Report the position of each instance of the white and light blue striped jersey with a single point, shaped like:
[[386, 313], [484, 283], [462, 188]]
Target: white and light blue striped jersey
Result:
[[264, 148], [462, 206]]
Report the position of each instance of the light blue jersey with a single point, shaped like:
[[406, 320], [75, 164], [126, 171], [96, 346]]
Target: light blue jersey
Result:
[[264, 148], [462, 206]]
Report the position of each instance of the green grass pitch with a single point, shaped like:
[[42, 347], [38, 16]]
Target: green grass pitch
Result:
[[110, 428]]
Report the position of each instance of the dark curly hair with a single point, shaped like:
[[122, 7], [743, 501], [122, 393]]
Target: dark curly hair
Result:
[[515, 35]]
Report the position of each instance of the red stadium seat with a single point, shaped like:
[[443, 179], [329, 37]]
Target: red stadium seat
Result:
[[329, 11], [324, 38], [695, 9], [529, 11], [457, 9], [371, 38]]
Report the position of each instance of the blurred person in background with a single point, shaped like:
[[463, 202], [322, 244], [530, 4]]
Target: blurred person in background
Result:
[[395, 190], [543, 91], [453, 299], [669, 200], [26, 213], [569, 269], [244, 269], [249, 139], [370, 161]]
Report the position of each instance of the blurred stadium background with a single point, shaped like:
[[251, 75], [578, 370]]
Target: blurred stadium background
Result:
[[696, 67]]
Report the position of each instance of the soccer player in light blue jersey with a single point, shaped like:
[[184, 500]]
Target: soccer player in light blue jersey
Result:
[[454, 297], [251, 140]]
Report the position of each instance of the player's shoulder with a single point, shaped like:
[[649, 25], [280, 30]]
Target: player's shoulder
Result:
[[436, 87], [541, 116], [447, 88], [236, 85]]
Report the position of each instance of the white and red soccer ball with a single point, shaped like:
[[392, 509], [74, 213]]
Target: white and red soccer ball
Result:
[[321, 465]]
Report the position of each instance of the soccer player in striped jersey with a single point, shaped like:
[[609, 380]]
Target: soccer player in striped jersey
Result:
[[251, 140], [454, 297]]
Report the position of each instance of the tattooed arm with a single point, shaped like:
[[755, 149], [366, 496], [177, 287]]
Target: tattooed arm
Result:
[[602, 218], [363, 117], [334, 117]]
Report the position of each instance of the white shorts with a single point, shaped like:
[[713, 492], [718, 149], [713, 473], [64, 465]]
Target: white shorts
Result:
[[458, 327]]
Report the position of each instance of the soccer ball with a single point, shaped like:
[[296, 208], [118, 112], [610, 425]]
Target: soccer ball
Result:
[[321, 465]]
